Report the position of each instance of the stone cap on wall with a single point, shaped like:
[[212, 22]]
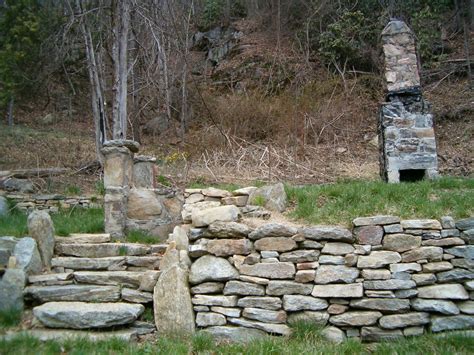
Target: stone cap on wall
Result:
[[396, 27], [132, 145]]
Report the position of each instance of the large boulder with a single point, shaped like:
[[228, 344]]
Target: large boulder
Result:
[[82, 315], [211, 268], [143, 204], [272, 197], [203, 218], [11, 289], [27, 256], [41, 229]]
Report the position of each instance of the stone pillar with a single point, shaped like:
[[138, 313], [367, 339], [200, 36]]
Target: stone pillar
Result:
[[118, 178], [406, 135], [144, 172]]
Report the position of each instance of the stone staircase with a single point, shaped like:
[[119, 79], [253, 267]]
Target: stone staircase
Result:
[[97, 288]]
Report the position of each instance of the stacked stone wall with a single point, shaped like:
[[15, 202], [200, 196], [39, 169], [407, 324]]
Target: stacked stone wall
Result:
[[384, 278], [53, 203]]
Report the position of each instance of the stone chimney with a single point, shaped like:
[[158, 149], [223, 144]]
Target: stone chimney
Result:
[[406, 135]]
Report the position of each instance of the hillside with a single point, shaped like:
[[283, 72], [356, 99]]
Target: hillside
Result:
[[264, 112]]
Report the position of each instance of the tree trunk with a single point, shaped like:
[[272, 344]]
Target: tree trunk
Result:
[[10, 111], [119, 56]]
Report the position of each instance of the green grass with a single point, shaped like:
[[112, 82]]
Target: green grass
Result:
[[138, 236], [77, 220], [10, 318], [306, 339], [340, 203]]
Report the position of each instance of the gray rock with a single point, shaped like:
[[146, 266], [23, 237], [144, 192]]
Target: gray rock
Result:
[[279, 288], [255, 280], [180, 238], [408, 267], [447, 291], [375, 334], [375, 220], [466, 251], [463, 263], [208, 300], [300, 256], [270, 303], [393, 228], [310, 244], [172, 306], [421, 224], [81, 238], [465, 224], [136, 296], [227, 311], [50, 279], [447, 222], [11, 289], [319, 318], [208, 287], [264, 315], [466, 307], [234, 334], [376, 274], [83, 293], [378, 259], [428, 253], [148, 280], [283, 270], [369, 235], [468, 236], [333, 335], [41, 229], [4, 257], [413, 331], [101, 250], [280, 244], [455, 275], [438, 306], [8, 242], [424, 279], [20, 185], [303, 303], [401, 276], [228, 247], [337, 248], [273, 230], [389, 284], [439, 324], [125, 278], [355, 319], [273, 196], [213, 192], [406, 293], [188, 210], [336, 291], [332, 274], [4, 210], [243, 288], [379, 294], [437, 267], [81, 315], [206, 319], [203, 218], [280, 329], [227, 230], [27, 256], [328, 233], [401, 242], [331, 260], [211, 268], [305, 276], [395, 321], [88, 263], [383, 305]]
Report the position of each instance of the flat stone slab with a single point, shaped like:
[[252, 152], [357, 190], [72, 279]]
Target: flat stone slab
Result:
[[84, 293], [82, 238], [375, 220], [125, 278], [70, 262], [81, 315], [101, 250], [50, 279], [234, 334]]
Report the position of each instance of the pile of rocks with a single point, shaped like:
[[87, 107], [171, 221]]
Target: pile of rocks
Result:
[[386, 278], [52, 203]]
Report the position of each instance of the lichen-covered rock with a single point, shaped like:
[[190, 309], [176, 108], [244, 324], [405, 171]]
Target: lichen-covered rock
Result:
[[11, 289], [265, 315], [337, 248], [280, 329], [279, 288], [371, 334], [303, 303], [217, 300], [439, 323], [338, 291], [27, 256], [273, 230], [281, 270], [466, 251], [227, 230], [428, 253], [273, 197], [371, 235], [375, 220], [41, 229], [333, 334], [206, 319], [211, 268], [82, 293], [401, 242], [228, 247], [329, 233], [234, 334], [300, 256], [336, 273], [392, 284], [143, 204], [243, 288], [203, 218], [280, 244], [355, 319], [395, 321], [271, 303], [382, 304], [437, 306], [446, 291], [378, 259]]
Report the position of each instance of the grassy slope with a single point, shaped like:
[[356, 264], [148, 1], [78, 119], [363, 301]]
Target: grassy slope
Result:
[[306, 339], [341, 203]]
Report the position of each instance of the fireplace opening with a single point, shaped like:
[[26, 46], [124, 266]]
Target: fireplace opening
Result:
[[412, 175]]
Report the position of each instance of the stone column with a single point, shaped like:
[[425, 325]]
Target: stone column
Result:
[[118, 178], [406, 135]]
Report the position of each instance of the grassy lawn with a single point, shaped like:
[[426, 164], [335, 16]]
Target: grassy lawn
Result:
[[342, 202], [306, 339], [77, 220]]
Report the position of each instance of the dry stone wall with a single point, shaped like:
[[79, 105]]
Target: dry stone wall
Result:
[[385, 278], [53, 202]]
